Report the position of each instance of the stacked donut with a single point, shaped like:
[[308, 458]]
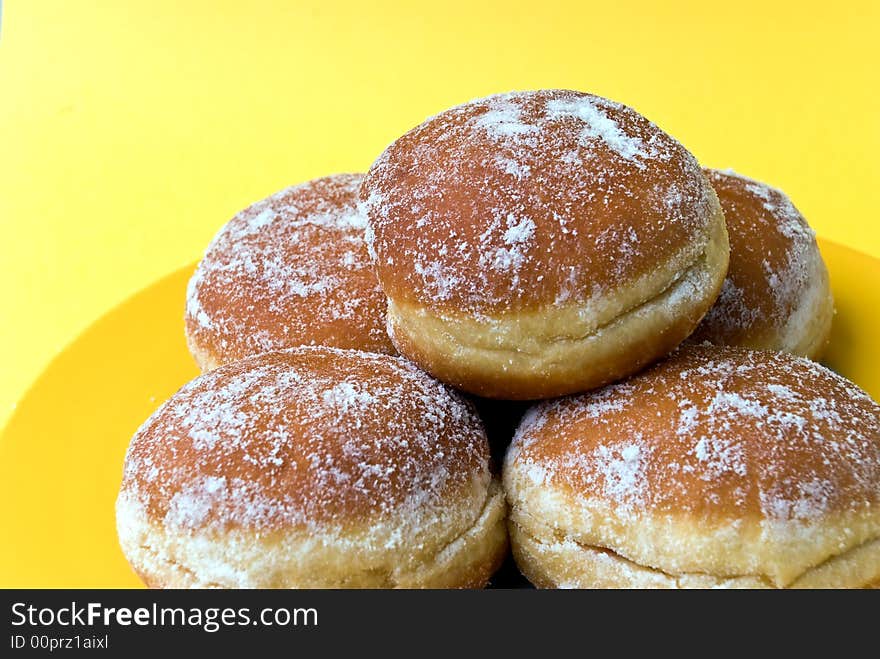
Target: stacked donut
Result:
[[552, 255]]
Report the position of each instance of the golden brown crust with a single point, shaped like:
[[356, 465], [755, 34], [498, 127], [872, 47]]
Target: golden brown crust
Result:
[[289, 270], [303, 436], [776, 295], [720, 461], [759, 422], [312, 467], [540, 243], [526, 200]]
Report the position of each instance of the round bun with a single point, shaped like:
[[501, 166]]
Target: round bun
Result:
[[539, 243], [776, 295], [312, 467], [287, 271], [721, 467]]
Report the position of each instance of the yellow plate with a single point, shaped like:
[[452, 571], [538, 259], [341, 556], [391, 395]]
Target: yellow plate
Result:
[[61, 454]]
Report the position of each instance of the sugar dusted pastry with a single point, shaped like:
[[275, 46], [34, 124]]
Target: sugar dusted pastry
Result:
[[535, 244]]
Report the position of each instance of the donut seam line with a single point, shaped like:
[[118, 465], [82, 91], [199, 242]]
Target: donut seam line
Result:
[[392, 577], [833, 557], [631, 311], [634, 309], [387, 576], [492, 493], [158, 558], [616, 555]]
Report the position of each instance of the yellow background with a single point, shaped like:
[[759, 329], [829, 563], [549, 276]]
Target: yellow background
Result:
[[130, 131]]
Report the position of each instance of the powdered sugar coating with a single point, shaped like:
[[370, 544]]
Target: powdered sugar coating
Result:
[[712, 433], [289, 270], [773, 257], [527, 199], [302, 438]]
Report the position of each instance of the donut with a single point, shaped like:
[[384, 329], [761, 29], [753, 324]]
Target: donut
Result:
[[286, 271], [776, 294], [535, 244], [312, 467], [721, 467]]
